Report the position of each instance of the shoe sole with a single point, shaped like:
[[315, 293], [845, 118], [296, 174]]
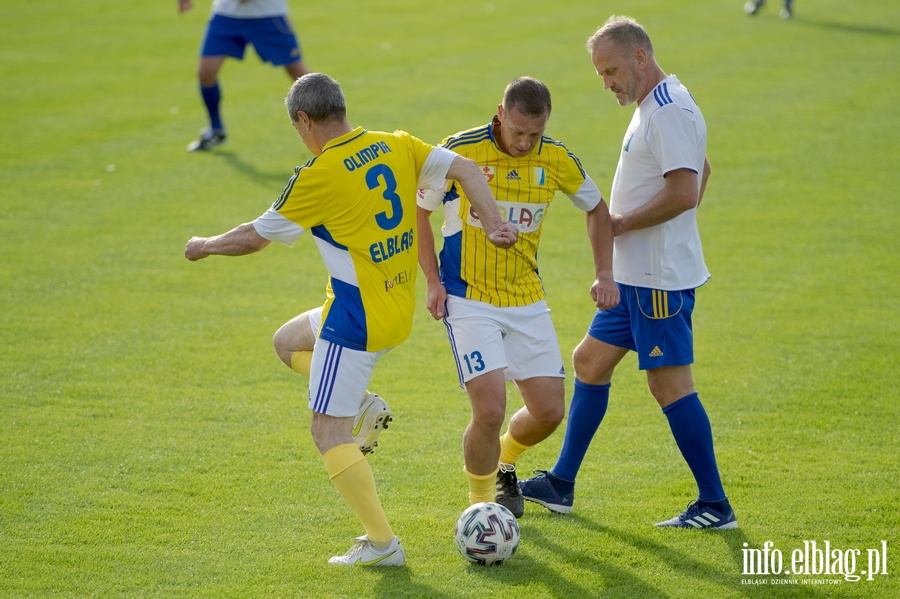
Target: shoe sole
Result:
[[553, 507], [381, 423], [728, 526]]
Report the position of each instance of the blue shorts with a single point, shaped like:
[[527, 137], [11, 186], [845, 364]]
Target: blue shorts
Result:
[[272, 37], [655, 324]]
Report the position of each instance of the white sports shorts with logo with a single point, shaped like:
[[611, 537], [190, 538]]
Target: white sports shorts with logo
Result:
[[520, 339], [338, 376]]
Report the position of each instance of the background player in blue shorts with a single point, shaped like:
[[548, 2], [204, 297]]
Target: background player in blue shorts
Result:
[[232, 25], [657, 264]]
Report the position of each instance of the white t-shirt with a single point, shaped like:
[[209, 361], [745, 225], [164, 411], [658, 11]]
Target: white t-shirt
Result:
[[252, 9], [667, 132]]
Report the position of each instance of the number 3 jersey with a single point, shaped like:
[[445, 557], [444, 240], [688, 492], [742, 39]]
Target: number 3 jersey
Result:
[[471, 266], [358, 199]]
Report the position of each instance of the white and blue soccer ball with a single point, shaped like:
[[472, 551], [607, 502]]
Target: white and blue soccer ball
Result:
[[487, 534]]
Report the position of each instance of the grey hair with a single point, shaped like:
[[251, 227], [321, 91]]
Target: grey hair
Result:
[[319, 96], [528, 96], [625, 32]]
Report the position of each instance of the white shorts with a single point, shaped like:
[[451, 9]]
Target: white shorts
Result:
[[338, 378], [314, 317], [520, 339]]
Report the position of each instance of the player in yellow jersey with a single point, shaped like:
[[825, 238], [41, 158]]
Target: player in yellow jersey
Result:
[[492, 299], [357, 197]]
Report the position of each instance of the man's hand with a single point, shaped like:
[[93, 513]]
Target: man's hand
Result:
[[504, 235], [185, 5], [617, 222], [194, 250], [605, 292], [435, 299]]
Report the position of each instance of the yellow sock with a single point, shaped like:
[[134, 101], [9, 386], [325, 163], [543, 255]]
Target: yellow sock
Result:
[[353, 477], [510, 449], [300, 362], [482, 487]]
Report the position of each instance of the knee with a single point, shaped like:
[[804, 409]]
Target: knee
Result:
[[548, 415], [282, 347], [207, 75], [594, 364], [488, 413], [584, 365]]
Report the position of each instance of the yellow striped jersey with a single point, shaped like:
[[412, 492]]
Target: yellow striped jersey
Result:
[[471, 266], [358, 198]]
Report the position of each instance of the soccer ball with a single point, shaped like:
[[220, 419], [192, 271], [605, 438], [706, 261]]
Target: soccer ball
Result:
[[487, 534]]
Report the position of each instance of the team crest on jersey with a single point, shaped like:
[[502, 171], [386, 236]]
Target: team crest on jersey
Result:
[[540, 177], [488, 172]]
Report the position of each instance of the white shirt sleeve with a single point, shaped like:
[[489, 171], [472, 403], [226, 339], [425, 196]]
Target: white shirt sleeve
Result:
[[430, 199], [587, 197], [275, 227], [434, 172]]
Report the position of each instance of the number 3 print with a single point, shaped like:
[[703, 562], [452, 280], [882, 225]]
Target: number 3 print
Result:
[[375, 177]]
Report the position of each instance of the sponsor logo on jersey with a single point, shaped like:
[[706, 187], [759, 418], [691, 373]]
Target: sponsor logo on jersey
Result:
[[513, 175], [402, 278], [527, 217]]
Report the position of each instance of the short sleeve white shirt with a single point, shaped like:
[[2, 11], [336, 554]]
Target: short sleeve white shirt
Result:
[[253, 9], [667, 132]]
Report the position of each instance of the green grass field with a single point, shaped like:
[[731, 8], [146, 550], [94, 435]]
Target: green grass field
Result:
[[154, 446]]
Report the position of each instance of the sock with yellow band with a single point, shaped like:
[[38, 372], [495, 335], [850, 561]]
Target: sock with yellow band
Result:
[[482, 487], [353, 477], [510, 449], [301, 361]]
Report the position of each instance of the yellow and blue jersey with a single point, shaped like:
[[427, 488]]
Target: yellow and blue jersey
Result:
[[358, 199], [524, 187]]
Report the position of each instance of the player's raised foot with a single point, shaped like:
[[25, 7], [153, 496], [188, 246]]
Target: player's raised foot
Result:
[[373, 417], [752, 7], [508, 494], [540, 490], [209, 139], [364, 553], [698, 515], [786, 12]]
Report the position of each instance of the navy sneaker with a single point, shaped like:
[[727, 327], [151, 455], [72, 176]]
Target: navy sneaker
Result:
[[701, 516], [540, 490]]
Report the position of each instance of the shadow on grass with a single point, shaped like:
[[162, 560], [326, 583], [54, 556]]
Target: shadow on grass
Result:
[[692, 567], [848, 27], [250, 171], [618, 581], [398, 582]]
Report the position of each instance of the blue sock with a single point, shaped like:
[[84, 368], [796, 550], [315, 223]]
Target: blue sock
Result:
[[586, 412], [693, 434], [212, 96]]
